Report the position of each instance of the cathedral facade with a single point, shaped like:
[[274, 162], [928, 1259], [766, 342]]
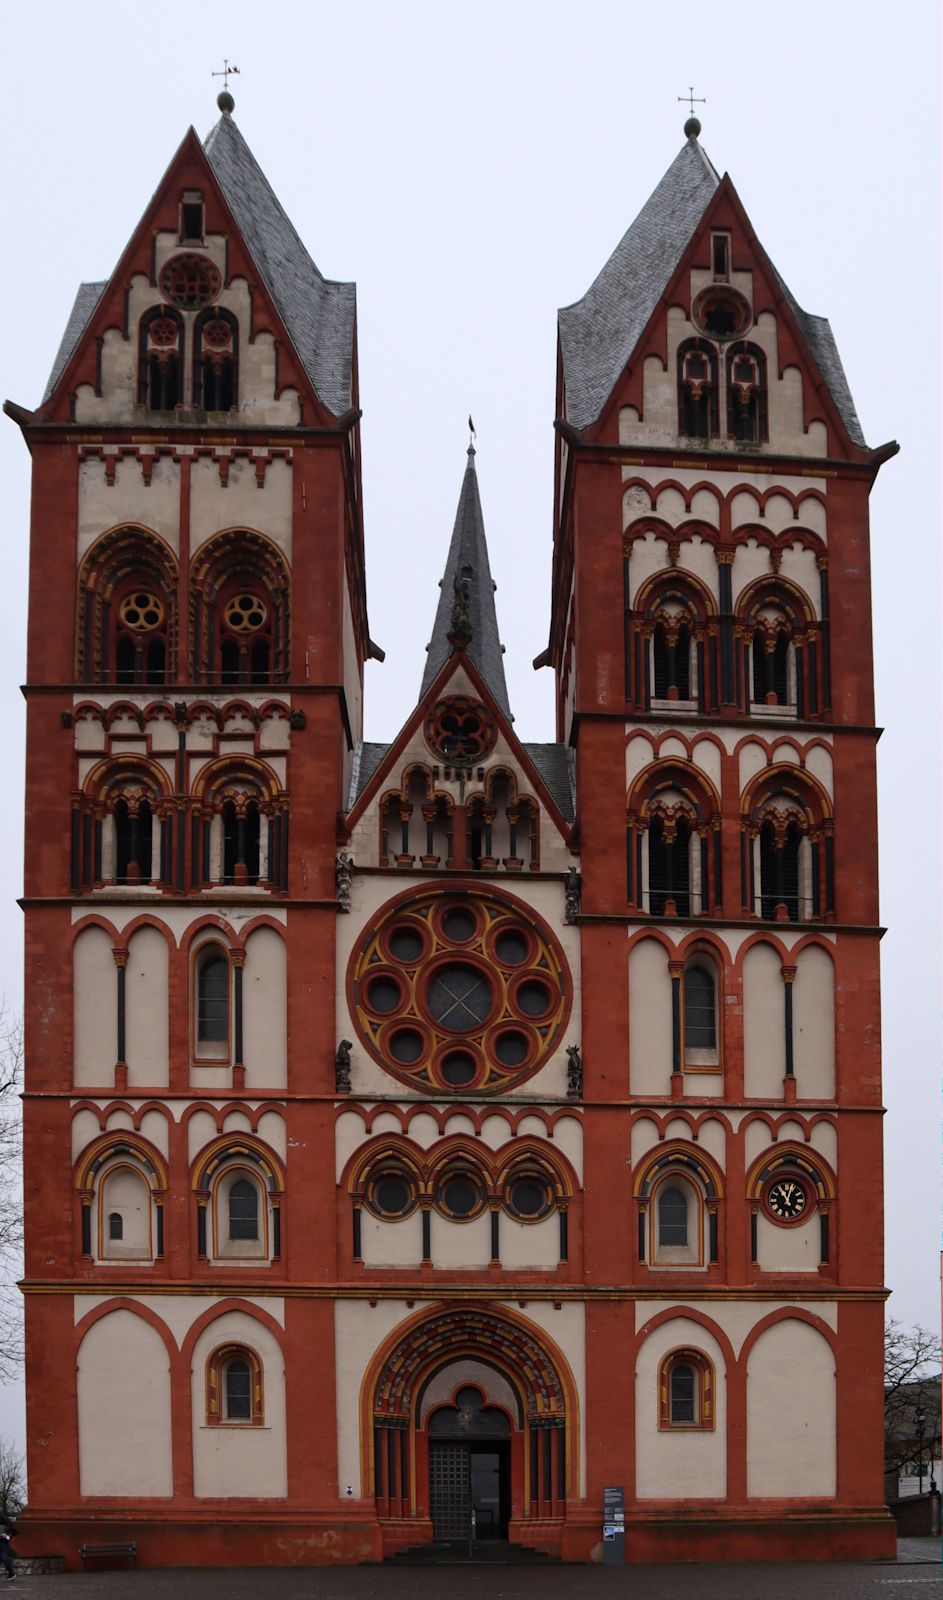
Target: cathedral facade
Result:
[[424, 1138]]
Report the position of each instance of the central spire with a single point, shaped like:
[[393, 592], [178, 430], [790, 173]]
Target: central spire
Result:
[[466, 618]]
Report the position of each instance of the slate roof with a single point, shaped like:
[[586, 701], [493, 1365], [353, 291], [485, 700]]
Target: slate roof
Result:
[[317, 312], [367, 758], [469, 548], [85, 302], [556, 764], [599, 333]]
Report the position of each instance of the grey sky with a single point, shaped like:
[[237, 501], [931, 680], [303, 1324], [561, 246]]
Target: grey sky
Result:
[[472, 167]]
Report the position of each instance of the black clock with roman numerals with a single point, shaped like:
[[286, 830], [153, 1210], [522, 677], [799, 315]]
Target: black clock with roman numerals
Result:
[[786, 1199]]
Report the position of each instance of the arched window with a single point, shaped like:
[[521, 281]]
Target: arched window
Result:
[[686, 1391], [746, 394], [239, 589], [127, 608], [700, 1007], [234, 1387], [669, 867], [213, 1006], [125, 1213], [115, 1225], [779, 871], [160, 359], [697, 389], [771, 669], [672, 1217], [243, 1210], [215, 361]]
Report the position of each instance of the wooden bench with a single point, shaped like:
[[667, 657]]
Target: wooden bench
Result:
[[109, 1552]]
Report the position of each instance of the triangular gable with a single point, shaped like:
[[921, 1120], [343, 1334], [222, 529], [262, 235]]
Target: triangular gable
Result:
[[393, 757], [189, 168], [814, 352]]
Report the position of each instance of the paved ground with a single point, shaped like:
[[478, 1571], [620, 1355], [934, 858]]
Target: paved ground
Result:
[[914, 1576]]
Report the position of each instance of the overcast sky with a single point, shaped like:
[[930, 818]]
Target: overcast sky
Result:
[[472, 166]]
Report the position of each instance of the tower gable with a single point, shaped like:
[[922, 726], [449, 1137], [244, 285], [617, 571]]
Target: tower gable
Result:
[[202, 317]]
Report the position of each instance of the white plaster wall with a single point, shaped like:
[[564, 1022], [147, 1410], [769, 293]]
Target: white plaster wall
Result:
[[707, 757], [678, 1464], [825, 1140], [178, 919], [461, 1244], [530, 1245], [126, 1192], [103, 505], [814, 1024], [124, 1408], [201, 1130], [147, 1009], [240, 1459], [84, 1129], [798, 567], [791, 1413], [265, 1011], [242, 503], [391, 1244], [180, 1312], [639, 754], [764, 1038], [794, 1249], [819, 764], [645, 1136], [95, 1007], [649, 1019]]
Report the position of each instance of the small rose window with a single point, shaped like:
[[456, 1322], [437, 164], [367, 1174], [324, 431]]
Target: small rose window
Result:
[[245, 612], [141, 611], [190, 281]]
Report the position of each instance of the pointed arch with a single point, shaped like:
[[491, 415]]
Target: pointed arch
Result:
[[240, 586]]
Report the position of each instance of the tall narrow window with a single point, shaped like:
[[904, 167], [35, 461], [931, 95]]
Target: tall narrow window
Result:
[[671, 661], [672, 1217], [243, 1210], [720, 256], [160, 359], [115, 1225], [215, 361], [697, 389], [241, 842], [212, 1002], [683, 1393], [771, 669], [191, 217], [140, 633], [700, 1008], [779, 872], [238, 1391], [133, 842], [746, 394], [669, 868]]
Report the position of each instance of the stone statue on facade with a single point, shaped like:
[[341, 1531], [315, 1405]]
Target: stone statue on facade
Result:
[[343, 877], [342, 1067], [572, 894], [574, 1072]]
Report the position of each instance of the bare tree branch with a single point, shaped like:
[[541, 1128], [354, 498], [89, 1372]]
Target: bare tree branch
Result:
[[911, 1383], [11, 1194], [12, 1481]]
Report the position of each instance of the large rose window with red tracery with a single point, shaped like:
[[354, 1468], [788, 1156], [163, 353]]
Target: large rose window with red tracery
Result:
[[190, 281], [457, 991]]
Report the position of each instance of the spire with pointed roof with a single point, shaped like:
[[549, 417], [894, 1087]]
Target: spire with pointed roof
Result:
[[466, 618]]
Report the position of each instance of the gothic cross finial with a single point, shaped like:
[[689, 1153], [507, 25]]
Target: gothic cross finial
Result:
[[472, 436], [692, 99], [225, 72]]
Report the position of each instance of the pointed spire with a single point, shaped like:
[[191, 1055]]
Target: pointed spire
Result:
[[466, 618]]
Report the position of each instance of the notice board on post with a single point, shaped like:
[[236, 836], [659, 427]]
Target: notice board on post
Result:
[[613, 1527]]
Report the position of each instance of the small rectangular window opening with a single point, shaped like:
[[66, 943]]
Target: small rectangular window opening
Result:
[[191, 217], [721, 253]]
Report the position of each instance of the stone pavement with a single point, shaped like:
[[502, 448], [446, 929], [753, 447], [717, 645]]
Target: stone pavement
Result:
[[916, 1572]]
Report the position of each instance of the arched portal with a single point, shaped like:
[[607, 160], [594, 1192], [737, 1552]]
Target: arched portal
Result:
[[471, 1410]]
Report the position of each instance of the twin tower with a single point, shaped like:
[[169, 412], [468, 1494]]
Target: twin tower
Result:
[[424, 1138]]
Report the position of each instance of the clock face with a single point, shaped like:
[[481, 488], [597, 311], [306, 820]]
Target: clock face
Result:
[[787, 1199]]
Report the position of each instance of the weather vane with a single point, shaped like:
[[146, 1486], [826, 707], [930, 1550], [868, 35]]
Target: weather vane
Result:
[[226, 73], [690, 97], [472, 435]]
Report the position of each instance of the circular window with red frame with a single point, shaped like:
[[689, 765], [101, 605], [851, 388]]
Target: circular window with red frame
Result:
[[721, 312], [190, 281], [459, 731], [459, 992], [788, 1198]]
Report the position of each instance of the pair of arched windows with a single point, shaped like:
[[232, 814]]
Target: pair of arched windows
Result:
[[213, 360], [700, 403]]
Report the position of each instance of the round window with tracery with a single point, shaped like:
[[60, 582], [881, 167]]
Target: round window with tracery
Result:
[[190, 281], [459, 992], [141, 611], [217, 335], [163, 333], [460, 731], [244, 613]]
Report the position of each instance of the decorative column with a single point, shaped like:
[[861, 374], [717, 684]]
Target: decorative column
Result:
[[676, 973], [789, 1085], [238, 960], [121, 1064]]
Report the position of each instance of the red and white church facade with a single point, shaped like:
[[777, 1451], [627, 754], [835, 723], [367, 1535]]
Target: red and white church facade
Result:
[[460, 1123]]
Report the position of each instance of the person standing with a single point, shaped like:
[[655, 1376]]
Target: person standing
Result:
[[6, 1547]]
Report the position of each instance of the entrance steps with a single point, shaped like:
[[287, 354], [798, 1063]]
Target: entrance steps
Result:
[[489, 1552]]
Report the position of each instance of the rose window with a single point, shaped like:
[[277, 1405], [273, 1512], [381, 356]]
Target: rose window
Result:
[[244, 613], [190, 281], [217, 335], [141, 611], [162, 332], [460, 731], [459, 992]]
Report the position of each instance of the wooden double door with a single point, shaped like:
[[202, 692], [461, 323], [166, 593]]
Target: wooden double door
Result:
[[465, 1476]]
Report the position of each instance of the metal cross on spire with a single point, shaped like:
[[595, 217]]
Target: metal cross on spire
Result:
[[226, 72], [690, 97]]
